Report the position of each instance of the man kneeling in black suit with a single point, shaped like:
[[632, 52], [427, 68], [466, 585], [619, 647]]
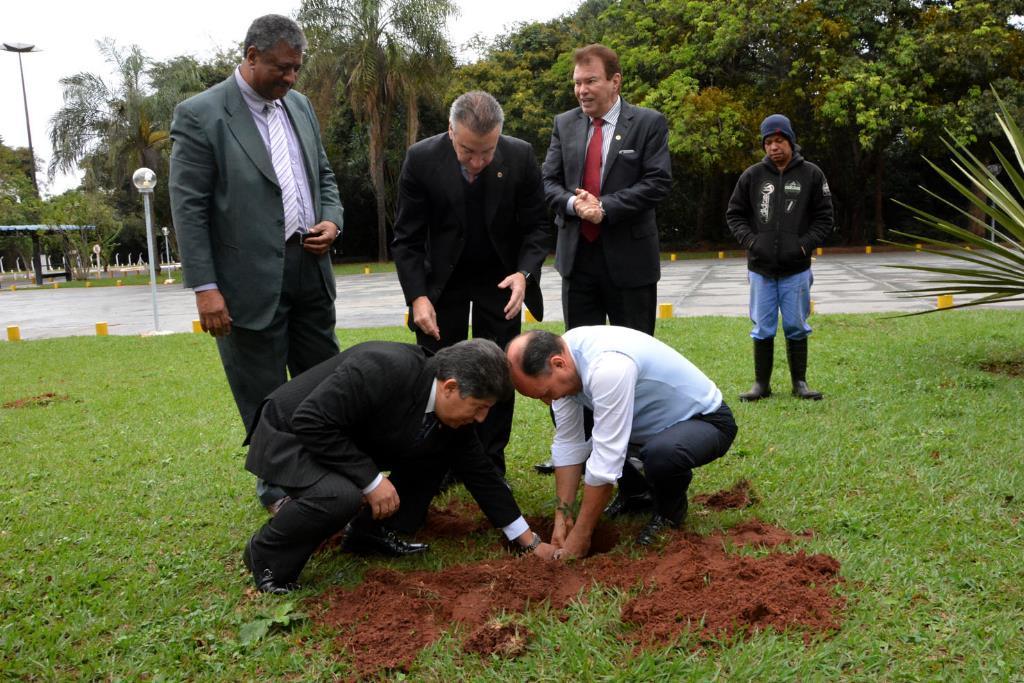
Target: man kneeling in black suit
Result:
[[327, 436]]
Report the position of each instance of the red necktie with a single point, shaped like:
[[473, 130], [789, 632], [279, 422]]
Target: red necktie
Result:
[[592, 177]]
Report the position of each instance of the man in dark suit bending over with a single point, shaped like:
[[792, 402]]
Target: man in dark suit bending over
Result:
[[327, 437], [471, 229]]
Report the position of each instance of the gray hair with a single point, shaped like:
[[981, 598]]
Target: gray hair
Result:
[[540, 346], [479, 366], [478, 111], [267, 31]]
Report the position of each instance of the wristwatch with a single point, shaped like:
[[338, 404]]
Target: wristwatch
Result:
[[532, 546], [525, 274]]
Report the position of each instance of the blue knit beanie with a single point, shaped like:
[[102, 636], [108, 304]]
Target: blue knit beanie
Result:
[[777, 123]]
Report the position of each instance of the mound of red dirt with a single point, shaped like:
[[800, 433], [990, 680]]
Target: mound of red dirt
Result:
[[738, 497], [694, 585], [40, 400]]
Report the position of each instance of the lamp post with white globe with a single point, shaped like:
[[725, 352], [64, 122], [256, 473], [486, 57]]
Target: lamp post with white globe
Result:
[[144, 181]]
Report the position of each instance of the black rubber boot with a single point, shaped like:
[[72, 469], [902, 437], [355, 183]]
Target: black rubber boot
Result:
[[796, 352], [764, 357]]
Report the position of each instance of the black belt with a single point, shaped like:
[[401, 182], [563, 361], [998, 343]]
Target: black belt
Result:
[[296, 238]]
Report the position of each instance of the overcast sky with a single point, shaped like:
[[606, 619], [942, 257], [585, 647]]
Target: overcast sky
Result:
[[66, 32]]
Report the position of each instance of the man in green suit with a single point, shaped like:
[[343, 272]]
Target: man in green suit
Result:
[[256, 209]]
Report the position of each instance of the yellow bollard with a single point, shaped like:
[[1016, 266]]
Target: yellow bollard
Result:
[[14, 288], [867, 249], [406, 323], [671, 257], [917, 247], [812, 307], [721, 254], [664, 310], [13, 333], [101, 329], [529, 316], [56, 285], [944, 301], [197, 327], [820, 251], [120, 284], [88, 283], [366, 270]]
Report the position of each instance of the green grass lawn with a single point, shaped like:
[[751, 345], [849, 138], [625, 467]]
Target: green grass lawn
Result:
[[123, 510]]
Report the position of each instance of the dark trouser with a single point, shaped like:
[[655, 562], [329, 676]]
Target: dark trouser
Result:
[[488, 313], [300, 335], [590, 298], [285, 543], [670, 457]]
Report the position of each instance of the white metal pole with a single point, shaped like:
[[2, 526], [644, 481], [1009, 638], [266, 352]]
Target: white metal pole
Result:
[[152, 266]]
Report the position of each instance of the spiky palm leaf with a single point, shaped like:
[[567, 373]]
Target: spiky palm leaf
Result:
[[992, 270]]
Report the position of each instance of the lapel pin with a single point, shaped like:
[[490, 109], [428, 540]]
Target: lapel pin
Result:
[[499, 174], [618, 137]]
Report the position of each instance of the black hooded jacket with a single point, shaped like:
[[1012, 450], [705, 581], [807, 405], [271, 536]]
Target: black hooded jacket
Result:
[[779, 218]]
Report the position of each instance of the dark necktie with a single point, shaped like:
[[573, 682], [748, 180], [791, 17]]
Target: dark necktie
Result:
[[428, 426], [592, 176]]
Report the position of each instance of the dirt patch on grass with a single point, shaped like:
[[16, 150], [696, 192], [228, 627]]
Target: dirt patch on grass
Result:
[[35, 401], [1013, 368], [740, 496], [695, 585]]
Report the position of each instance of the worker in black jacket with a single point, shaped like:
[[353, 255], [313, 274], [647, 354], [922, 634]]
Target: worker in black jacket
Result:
[[780, 211]]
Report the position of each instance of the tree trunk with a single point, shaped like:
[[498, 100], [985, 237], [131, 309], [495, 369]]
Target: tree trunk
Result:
[[975, 212], [879, 196], [377, 178]]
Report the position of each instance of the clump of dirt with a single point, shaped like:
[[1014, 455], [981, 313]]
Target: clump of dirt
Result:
[[693, 585], [508, 640], [34, 401], [757, 533], [740, 496], [1013, 368]]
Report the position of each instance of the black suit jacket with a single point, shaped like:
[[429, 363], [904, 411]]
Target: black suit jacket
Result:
[[637, 175], [359, 413], [431, 222]]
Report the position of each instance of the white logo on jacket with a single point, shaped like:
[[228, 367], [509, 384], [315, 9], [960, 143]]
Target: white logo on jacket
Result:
[[767, 188]]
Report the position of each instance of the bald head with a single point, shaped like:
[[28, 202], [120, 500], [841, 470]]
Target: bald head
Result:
[[542, 366]]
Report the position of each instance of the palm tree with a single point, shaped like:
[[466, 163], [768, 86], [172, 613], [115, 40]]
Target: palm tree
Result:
[[114, 119], [387, 54], [992, 270]]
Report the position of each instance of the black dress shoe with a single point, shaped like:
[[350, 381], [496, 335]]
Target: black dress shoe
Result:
[[377, 539], [263, 577], [649, 534], [545, 467], [622, 505]]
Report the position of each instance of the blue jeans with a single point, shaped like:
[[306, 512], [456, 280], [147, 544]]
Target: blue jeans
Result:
[[790, 294]]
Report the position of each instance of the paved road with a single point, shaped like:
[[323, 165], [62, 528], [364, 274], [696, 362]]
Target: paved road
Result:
[[842, 284]]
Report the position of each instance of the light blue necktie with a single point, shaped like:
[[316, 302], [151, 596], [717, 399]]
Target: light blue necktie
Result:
[[283, 167]]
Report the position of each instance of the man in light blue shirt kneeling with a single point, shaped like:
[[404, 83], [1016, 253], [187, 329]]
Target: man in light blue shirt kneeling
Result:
[[656, 418]]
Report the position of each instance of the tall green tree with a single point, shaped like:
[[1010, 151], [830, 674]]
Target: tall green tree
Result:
[[385, 55], [112, 125], [19, 204]]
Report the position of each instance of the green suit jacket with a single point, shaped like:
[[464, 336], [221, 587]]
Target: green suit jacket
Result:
[[226, 202]]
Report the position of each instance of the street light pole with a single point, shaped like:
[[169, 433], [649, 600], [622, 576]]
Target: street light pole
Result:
[[19, 48], [144, 181]]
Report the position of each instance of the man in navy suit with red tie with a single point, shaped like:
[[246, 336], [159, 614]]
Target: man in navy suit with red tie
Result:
[[606, 170]]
